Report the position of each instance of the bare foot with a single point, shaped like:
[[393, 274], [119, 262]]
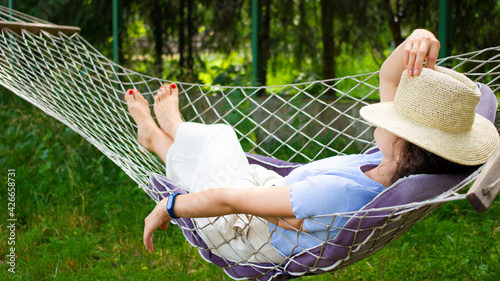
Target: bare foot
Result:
[[139, 109], [166, 108]]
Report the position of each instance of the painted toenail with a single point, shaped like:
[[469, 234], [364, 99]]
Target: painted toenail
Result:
[[173, 86], [130, 92]]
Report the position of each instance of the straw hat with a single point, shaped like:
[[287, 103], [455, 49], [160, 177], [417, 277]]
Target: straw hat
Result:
[[436, 111]]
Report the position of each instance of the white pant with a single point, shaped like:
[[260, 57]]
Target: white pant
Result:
[[210, 156]]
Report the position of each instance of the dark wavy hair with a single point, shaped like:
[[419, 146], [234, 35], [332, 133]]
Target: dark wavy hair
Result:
[[416, 160]]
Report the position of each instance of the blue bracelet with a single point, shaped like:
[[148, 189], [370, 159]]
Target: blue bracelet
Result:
[[170, 205]]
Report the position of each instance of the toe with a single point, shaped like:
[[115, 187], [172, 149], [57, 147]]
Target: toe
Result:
[[159, 94], [129, 96], [162, 92], [174, 90], [167, 89], [137, 95]]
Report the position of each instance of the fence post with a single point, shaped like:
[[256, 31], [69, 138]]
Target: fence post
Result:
[[444, 27], [116, 24]]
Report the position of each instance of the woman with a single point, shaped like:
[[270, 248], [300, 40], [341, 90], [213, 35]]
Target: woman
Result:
[[424, 113]]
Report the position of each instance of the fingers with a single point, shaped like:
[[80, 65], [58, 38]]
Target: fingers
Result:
[[154, 221], [421, 46], [421, 54], [433, 55], [406, 56], [412, 54], [148, 237]]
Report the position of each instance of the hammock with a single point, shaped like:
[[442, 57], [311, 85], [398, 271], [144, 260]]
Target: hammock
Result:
[[55, 69]]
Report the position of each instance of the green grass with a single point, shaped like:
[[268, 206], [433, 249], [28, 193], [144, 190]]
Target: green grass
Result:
[[81, 218]]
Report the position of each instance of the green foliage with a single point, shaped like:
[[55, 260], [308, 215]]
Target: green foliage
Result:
[[220, 29], [231, 69]]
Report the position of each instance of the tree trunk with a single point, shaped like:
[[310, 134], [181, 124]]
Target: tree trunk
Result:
[[421, 13], [168, 27], [263, 44], [156, 18], [394, 23], [301, 37], [328, 39], [190, 30], [182, 38]]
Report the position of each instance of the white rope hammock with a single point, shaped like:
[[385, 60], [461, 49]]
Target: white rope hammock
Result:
[[71, 81]]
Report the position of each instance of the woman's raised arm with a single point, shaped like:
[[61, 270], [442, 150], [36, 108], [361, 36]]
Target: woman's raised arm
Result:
[[410, 55]]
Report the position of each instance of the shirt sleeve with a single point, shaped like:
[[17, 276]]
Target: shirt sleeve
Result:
[[321, 195]]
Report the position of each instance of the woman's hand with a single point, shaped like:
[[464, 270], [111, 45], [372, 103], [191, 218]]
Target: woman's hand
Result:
[[158, 218], [409, 56], [419, 46]]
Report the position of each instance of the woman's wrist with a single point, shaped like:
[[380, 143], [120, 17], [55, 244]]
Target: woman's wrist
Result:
[[170, 205]]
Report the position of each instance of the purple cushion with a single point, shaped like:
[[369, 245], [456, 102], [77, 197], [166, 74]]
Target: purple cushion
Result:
[[375, 228], [487, 106], [283, 168]]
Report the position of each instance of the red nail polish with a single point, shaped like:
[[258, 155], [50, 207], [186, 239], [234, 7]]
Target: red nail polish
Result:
[[173, 86], [130, 91], [166, 84]]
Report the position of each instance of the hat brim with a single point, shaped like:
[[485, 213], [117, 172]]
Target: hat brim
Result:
[[473, 147]]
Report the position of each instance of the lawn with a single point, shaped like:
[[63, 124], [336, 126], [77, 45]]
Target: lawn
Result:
[[79, 217]]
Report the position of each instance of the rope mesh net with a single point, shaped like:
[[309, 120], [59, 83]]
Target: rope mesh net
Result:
[[71, 81]]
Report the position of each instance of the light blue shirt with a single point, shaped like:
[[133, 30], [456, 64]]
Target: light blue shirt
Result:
[[319, 189]]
